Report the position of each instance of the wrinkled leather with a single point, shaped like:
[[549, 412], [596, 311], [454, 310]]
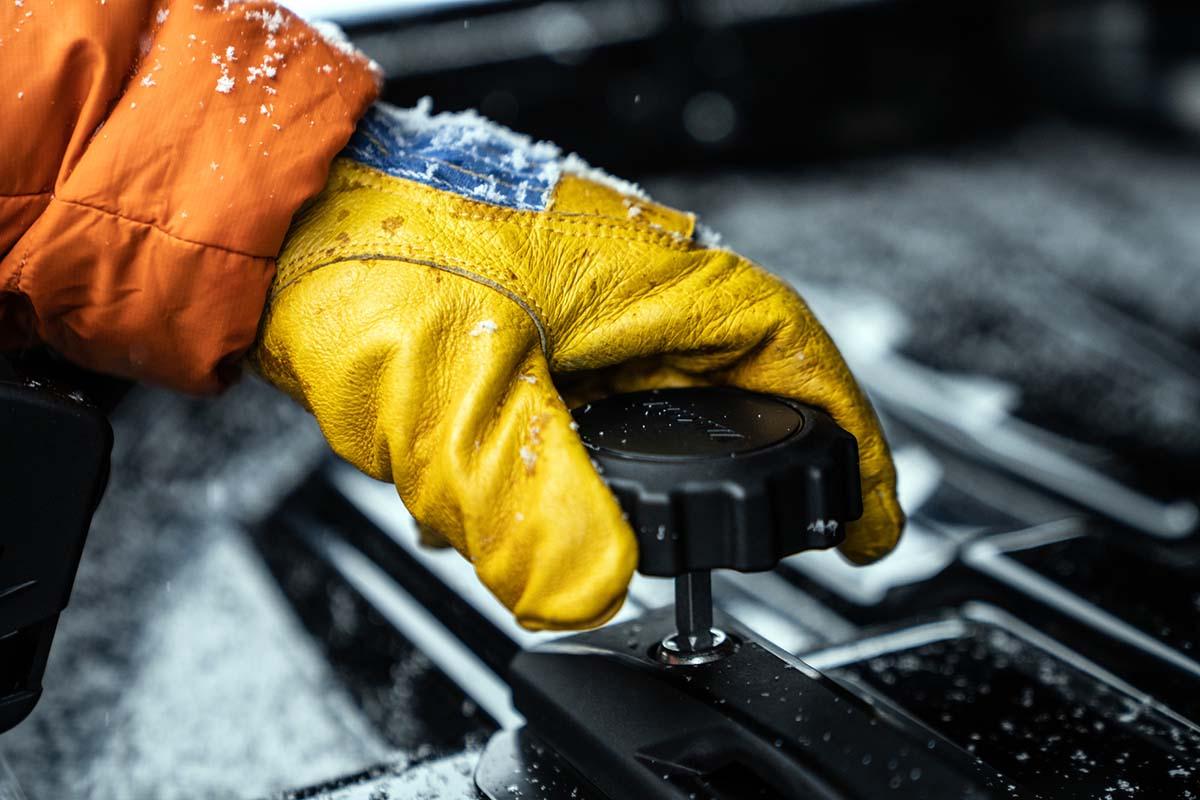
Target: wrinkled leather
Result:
[[432, 334]]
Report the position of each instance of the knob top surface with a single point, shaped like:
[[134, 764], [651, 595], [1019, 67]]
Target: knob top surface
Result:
[[686, 423], [721, 477]]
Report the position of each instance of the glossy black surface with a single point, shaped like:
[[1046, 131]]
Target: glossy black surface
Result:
[[1053, 725], [1156, 596], [718, 477], [758, 718], [689, 424]]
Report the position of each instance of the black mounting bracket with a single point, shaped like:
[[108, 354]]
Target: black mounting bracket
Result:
[[756, 724]]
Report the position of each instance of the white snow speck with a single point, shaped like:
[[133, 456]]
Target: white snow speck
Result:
[[242, 119], [326, 68], [488, 190], [484, 326], [706, 236], [147, 81], [529, 457], [230, 53], [20, 95], [634, 211], [18, 3], [266, 112], [519, 517], [225, 84], [132, 104], [213, 166], [162, 15], [529, 379]]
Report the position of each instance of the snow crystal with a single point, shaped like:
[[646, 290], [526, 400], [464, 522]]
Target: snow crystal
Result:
[[20, 95], [529, 457], [18, 3], [230, 53], [242, 119], [264, 110], [488, 190], [162, 15], [484, 326], [529, 379], [271, 22], [213, 166], [147, 81], [225, 84], [706, 236]]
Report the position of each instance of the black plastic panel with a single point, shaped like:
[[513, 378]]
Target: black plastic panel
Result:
[[1050, 722]]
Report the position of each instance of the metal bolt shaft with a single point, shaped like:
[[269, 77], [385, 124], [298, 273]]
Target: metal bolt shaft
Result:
[[693, 611]]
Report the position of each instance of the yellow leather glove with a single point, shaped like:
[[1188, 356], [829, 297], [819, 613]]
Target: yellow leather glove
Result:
[[454, 282]]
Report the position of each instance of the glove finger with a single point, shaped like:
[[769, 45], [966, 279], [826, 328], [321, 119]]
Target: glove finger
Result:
[[544, 532], [796, 358], [438, 385]]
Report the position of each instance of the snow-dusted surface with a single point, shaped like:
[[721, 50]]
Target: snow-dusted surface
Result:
[[179, 670]]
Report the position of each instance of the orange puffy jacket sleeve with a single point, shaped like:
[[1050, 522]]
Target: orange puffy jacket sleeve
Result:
[[152, 154]]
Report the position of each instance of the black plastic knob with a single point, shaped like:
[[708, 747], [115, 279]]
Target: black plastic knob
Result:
[[723, 478]]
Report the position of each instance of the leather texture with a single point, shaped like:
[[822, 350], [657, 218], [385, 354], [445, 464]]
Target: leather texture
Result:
[[440, 341]]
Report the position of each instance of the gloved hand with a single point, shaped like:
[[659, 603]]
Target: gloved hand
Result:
[[454, 278]]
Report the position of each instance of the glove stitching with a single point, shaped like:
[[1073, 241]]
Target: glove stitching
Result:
[[463, 271], [433, 257], [595, 228]]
